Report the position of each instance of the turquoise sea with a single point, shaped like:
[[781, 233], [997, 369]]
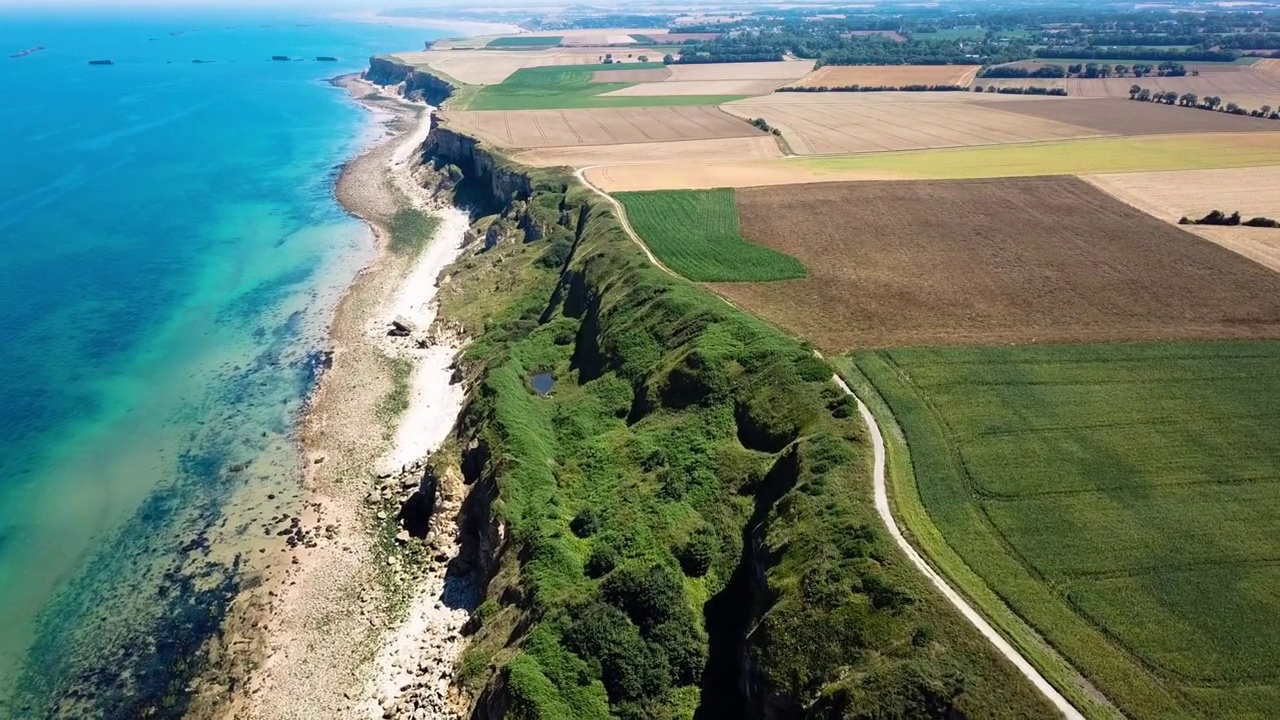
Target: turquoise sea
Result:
[[170, 253]]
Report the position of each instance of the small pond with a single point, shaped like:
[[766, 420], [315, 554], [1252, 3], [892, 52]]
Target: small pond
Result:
[[542, 383]]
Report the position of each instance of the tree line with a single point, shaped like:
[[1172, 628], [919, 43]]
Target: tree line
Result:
[[1167, 68], [1192, 100], [1153, 54]]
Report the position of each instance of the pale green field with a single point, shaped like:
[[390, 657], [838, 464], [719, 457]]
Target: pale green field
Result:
[[1065, 157]]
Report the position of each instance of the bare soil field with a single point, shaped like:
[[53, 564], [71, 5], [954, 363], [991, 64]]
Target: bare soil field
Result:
[[490, 67], [1194, 193], [783, 70], [838, 75], [1127, 117], [685, 152], [856, 127], [966, 262], [630, 76], [560, 128], [1269, 67]]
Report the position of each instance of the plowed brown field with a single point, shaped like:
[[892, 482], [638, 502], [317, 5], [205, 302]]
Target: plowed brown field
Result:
[[992, 261], [839, 75], [1128, 117], [559, 128], [685, 152]]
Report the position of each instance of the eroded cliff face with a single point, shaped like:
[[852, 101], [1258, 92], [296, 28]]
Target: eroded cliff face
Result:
[[484, 182], [418, 85]]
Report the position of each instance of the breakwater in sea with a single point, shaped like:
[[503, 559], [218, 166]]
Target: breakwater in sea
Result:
[[173, 254]]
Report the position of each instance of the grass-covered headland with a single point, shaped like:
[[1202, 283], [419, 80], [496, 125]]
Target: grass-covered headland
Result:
[[683, 527]]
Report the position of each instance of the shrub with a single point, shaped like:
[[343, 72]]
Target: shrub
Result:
[[696, 554], [602, 560], [585, 523], [685, 648], [630, 667], [649, 597]]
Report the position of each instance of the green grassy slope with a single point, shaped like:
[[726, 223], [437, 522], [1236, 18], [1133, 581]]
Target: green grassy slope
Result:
[[1120, 498], [693, 489], [570, 86], [695, 233]]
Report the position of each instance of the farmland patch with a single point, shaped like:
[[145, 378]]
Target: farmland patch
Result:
[[1253, 192], [1127, 117], [558, 128], [781, 71], [685, 152], [992, 261], [1122, 503], [896, 75], [631, 76], [695, 233], [850, 126]]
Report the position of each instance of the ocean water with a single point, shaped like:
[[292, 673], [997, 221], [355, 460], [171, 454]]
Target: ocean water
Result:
[[170, 253]]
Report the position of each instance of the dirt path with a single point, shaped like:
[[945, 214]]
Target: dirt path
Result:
[[886, 514], [622, 217]]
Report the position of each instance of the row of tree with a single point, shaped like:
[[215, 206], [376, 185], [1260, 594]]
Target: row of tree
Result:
[[1031, 90], [1191, 100], [874, 88], [1167, 68], [1152, 54]]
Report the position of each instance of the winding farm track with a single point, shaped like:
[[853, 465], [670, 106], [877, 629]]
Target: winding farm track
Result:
[[885, 510]]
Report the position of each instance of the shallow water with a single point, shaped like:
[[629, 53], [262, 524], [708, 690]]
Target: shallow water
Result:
[[170, 253]]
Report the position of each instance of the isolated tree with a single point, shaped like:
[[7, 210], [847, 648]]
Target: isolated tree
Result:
[[668, 59], [1144, 94], [1133, 91], [1265, 110], [1188, 99]]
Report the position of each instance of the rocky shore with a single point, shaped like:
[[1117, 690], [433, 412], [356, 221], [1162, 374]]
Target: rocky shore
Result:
[[363, 622]]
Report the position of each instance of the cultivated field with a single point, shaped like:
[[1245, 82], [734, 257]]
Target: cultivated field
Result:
[[631, 76], [558, 128], [490, 67], [872, 75], [1232, 86], [992, 261], [719, 79], [1127, 117], [1194, 193], [847, 125], [685, 152], [1068, 157], [1120, 498], [695, 233], [547, 88]]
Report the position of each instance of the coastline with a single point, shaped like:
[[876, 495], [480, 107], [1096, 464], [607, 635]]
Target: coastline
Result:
[[349, 628]]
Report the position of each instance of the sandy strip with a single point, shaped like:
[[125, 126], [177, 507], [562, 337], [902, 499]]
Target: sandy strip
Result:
[[362, 625]]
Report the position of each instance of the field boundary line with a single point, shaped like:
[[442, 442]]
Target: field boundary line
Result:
[[885, 511], [580, 174]]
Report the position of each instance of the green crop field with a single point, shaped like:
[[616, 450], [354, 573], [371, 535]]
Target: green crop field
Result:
[[561, 87], [695, 233], [524, 41], [1064, 157], [1122, 500]]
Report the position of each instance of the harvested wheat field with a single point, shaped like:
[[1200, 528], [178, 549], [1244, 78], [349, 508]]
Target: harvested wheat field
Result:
[[696, 87], [491, 67], [1269, 67], [1138, 153], [968, 262], [631, 76], [842, 126], [1169, 196], [558, 128], [1228, 85], [1128, 117], [782, 70], [684, 152], [873, 75]]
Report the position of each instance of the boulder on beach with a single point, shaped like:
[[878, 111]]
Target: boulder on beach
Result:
[[402, 327]]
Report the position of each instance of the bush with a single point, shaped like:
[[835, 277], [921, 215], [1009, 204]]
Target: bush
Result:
[[649, 597], [630, 667], [602, 560], [697, 554], [585, 523], [557, 254], [685, 648]]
